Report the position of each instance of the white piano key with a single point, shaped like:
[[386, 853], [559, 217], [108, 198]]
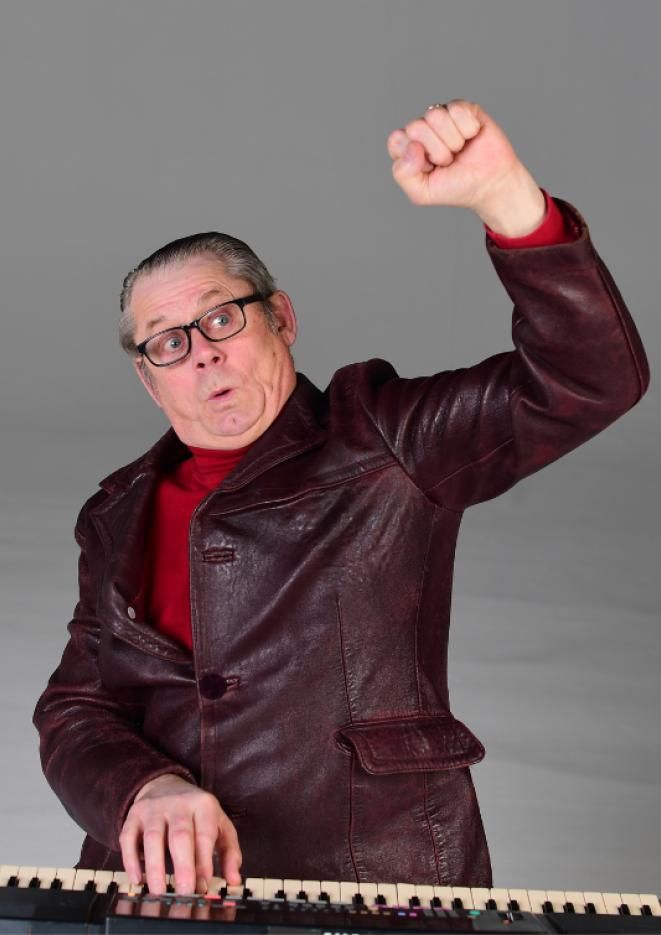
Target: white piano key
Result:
[[632, 900], [652, 901], [464, 894], [271, 887], [256, 887], [25, 874], [369, 892], [612, 901], [501, 899], [537, 898], [46, 875], [425, 894], [292, 888], [348, 890], [215, 885], [124, 885], [557, 898], [577, 900], [597, 900], [522, 899], [389, 893], [444, 893], [103, 879], [82, 878], [66, 876], [405, 892], [479, 896], [6, 872], [312, 889], [332, 888], [233, 891]]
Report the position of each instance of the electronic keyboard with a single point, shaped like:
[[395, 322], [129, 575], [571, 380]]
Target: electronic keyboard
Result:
[[43, 899]]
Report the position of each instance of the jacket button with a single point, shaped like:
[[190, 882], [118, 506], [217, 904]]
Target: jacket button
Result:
[[212, 685]]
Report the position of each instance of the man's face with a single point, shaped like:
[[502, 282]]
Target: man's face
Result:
[[224, 394]]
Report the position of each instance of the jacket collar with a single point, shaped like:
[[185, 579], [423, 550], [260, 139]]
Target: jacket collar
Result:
[[300, 425]]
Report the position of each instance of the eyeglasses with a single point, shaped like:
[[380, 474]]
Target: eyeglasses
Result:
[[218, 324]]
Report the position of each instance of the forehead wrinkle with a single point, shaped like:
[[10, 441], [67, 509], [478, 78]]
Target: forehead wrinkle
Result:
[[181, 299]]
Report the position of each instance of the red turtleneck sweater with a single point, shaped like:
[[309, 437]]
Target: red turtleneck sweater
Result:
[[180, 492]]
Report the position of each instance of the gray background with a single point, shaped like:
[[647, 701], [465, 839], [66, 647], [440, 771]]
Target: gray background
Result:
[[126, 124]]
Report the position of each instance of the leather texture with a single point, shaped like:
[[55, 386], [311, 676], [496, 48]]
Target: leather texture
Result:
[[315, 704]]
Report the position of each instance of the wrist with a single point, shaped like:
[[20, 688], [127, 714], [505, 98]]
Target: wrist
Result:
[[163, 780], [516, 208]]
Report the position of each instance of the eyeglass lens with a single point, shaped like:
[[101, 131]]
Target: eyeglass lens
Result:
[[173, 344]]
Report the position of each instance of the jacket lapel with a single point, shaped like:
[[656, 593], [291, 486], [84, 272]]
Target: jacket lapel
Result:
[[122, 518]]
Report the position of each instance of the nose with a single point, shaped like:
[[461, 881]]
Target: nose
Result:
[[203, 351]]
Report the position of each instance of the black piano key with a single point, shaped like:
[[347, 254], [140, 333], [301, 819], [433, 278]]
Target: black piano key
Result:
[[169, 888], [145, 890], [436, 903], [569, 907], [491, 904], [624, 910], [380, 900], [247, 893], [645, 910], [56, 884], [591, 909], [513, 905], [547, 906], [34, 884], [302, 895], [90, 886], [280, 894], [358, 899], [414, 902], [324, 897], [13, 880], [457, 903]]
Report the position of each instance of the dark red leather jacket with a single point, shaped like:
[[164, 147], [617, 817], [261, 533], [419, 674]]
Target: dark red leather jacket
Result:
[[315, 704]]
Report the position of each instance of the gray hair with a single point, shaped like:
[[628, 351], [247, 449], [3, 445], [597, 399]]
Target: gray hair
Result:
[[238, 260]]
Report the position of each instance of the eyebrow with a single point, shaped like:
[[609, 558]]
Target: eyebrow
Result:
[[204, 298]]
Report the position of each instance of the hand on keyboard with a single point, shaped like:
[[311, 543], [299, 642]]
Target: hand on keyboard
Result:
[[171, 814]]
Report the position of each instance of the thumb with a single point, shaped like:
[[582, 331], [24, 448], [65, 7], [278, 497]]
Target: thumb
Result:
[[411, 163]]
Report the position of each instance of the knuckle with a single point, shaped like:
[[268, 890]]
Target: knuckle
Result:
[[415, 127], [152, 834]]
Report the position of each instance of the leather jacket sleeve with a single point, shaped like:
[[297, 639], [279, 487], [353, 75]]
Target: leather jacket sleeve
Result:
[[89, 738], [467, 435]]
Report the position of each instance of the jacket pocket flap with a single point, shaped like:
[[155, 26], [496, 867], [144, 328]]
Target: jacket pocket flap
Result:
[[404, 745]]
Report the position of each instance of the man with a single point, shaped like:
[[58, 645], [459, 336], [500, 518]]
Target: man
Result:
[[256, 671]]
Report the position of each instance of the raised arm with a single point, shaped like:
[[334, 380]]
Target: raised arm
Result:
[[578, 362]]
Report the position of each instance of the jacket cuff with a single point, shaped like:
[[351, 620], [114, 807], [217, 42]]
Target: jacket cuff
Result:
[[552, 230]]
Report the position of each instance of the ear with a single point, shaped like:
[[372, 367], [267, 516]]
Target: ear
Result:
[[145, 378], [285, 316]]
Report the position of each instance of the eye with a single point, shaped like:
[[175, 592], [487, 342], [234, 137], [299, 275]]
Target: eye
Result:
[[164, 347], [220, 320]]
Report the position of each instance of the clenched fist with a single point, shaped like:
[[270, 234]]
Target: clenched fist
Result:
[[456, 154]]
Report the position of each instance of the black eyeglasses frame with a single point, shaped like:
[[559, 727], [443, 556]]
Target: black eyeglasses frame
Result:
[[241, 302]]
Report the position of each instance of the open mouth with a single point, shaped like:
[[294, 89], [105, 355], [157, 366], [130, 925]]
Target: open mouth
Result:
[[219, 394]]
